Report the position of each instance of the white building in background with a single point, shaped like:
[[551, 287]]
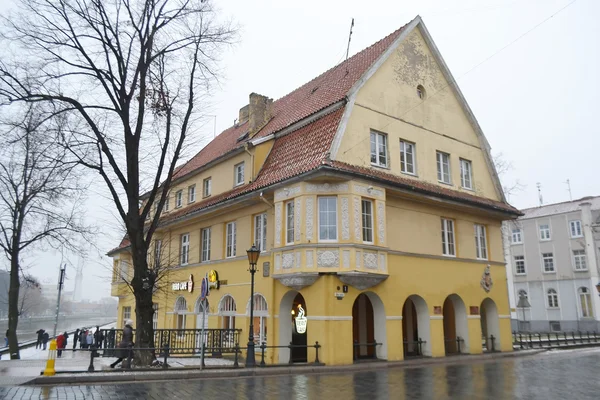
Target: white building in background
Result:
[[552, 255]]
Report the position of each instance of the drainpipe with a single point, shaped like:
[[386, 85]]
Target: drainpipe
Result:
[[246, 146]]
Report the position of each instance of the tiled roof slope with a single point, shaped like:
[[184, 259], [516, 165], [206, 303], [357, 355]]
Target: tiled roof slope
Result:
[[125, 243], [324, 90]]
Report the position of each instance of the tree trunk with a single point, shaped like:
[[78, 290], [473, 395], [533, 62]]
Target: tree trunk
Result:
[[13, 308]]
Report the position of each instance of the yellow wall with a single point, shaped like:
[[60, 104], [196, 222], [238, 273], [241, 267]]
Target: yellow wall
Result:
[[388, 103]]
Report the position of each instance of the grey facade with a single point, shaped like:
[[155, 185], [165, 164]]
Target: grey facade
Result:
[[552, 255]]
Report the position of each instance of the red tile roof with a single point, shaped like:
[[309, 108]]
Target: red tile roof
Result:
[[326, 89], [125, 243]]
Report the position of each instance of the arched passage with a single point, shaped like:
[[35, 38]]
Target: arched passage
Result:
[[293, 327], [201, 311], [455, 325], [490, 325], [227, 309], [260, 314], [368, 327], [415, 327], [180, 312]]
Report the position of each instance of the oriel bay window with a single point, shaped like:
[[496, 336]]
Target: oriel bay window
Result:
[[230, 240], [367, 221], [448, 248], [328, 218], [260, 231], [289, 222]]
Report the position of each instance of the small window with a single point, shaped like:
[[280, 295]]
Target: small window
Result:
[[289, 222], [367, 221], [443, 167], [260, 231], [327, 218], [407, 158], [239, 174], [421, 92], [379, 149], [178, 198], [545, 232], [206, 187], [552, 298], [466, 174], [154, 315], [517, 236], [555, 326], [191, 194], [585, 302], [166, 206], [126, 314], [580, 261], [448, 237], [205, 251], [185, 249], [575, 229], [481, 242], [520, 265], [230, 245], [548, 259], [157, 251]]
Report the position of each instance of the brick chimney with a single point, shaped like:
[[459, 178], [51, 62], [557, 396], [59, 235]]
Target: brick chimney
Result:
[[259, 112]]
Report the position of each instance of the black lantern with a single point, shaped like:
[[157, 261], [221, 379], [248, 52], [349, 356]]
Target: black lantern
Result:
[[253, 254]]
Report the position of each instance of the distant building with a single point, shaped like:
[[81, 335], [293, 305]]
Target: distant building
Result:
[[552, 260]]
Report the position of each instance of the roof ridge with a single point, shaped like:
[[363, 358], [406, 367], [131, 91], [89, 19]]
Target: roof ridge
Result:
[[584, 198]]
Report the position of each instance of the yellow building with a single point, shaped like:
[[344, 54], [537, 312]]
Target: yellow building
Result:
[[372, 194]]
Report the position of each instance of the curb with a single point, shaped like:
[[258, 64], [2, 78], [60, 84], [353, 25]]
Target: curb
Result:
[[90, 378]]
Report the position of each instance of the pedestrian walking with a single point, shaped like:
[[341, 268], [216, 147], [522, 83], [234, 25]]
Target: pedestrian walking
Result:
[[81, 338], [126, 343], [98, 337], [75, 339], [89, 339], [61, 343], [45, 338], [40, 334]]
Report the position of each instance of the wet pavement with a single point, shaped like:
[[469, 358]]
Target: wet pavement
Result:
[[569, 374]]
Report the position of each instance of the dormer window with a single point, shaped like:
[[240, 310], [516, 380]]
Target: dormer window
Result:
[[239, 174]]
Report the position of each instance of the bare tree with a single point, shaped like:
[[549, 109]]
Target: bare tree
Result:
[[502, 168], [133, 71], [39, 199]]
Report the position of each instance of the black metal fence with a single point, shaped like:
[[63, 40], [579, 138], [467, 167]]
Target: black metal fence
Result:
[[370, 350], [181, 341], [453, 345], [488, 343], [413, 348], [523, 340]]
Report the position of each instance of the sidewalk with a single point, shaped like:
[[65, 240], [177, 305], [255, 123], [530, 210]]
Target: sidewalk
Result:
[[112, 376]]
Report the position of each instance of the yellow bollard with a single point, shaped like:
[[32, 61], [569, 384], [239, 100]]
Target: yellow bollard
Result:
[[50, 371]]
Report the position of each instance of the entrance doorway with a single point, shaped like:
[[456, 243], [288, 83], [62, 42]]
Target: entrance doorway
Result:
[[415, 327], [456, 329], [363, 328], [299, 329], [490, 325]]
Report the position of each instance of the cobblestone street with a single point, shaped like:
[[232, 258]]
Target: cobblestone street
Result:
[[570, 374]]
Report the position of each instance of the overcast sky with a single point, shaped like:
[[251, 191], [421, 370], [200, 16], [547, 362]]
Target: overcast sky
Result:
[[533, 86]]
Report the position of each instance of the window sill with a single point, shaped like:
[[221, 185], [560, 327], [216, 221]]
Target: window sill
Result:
[[191, 202], [577, 237], [369, 243], [449, 255], [204, 197], [469, 189], [545, 240], [380, 166], [238, 184], [414, 175], [549, 272], [581, 270], [482, 259], [515, 243], [176, 207], [525, 274], [445, 183], [552, 308]]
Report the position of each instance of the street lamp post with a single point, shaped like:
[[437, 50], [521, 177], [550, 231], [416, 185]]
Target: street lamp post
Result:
[[253, 254]]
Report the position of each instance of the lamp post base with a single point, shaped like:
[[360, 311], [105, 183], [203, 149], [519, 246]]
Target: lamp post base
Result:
[[250, 356]]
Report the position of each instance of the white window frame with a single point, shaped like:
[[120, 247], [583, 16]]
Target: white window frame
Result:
[[191, 194], [587, 310], [579, 258], [548, 257], [367, 221], [184, 257], [206, 187], [481, 248], [545, 233], [552, 298], [448, 238], [166, 206], [466, 174], [205, 234], [126, 313], [408, 150], [154, 315], [379, 140], [290, 211], [576, 228], [441, 166], [328, 212], [521, 259], [260, 231], [239, 174], [517, 236], [230, 240], [157, 251], [179, 198]]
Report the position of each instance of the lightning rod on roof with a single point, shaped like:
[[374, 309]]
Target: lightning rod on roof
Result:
[[349, 39], [539, 188], [568, 182]]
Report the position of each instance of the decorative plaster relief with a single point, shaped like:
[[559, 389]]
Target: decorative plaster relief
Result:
[[357, 214], [284, 193], [298, 216], [277, 262], [364, 190], [309, 218], [278, 207], [298, 259], [369, 260], [361, 280], [382, 262], [381, 222], [326, 188], [298, 280], [288, 260], [328, 258], [345, 219], [358, 260], [346, 258], [309, 258]]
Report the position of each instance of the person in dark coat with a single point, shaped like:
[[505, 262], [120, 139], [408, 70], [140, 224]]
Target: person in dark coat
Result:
[[126, 343], [45, 338], [75, 339], [98, 337], [82, 341], [40, 334]]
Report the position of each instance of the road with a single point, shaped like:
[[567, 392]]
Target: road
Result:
[[569, 374]]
